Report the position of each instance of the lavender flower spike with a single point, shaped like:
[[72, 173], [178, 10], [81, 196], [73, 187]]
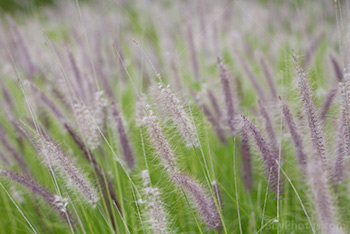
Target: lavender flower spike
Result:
[[87, 126], [323, 201], [171, 105], [340, 156], [253, 79], [205, 204], [268, 77], [216, 124], [312, 118], [246, 160], [159, 141], [193, 54], [55, 201], [214, 103], [296, 137], [123, 138], [326, 105], [7, 144], [54, 156], [269, 157], [105, 181], [344, 88], [269, 128], [157, 215], [226, 87], [215, 121], [337, 69]]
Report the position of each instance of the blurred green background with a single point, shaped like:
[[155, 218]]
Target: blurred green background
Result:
[[22, 5]]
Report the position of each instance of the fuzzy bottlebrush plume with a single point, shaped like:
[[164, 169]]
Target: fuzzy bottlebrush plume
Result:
[[296, 137], [157, 216], [74, 66], [8, 146], [271, 135], [8, 98], [268, 78], [337, 69], [340, 156], [80, 91], [47, 101], [344, 88], [326, 105], [56, 202], [246, 159], [140, 110], [123, 138], [100, 102], [90, 119], [311, 114], [177, 81], [62, 98], [216, 124], [193, 54], [205, 203], [253, 79], [214, 103], [86, 125], [226, 88], [30, 66], [105, 182], [159, 141], [323, 201], [54, 157], [100, 68], [171, 105], [214, 120], [269, 157]]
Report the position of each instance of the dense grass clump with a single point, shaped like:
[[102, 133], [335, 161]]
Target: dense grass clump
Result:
[[175, 117]]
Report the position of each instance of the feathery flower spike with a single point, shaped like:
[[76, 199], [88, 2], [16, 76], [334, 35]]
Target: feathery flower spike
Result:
[[56, 202], [312, 117], [171, 105], [226, 86], [123, 138], [205, 203], [157, 215]]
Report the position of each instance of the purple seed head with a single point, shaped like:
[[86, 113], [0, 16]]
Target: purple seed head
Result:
[[326, 105], [227, 91], [169, 104], [123, 138], [296, 137], [323, 201], [205, 203], [268, 77], [312, 117], [338, 71], [269, 157], [270, 131], [159, 141], [157, 215], [55, 201], [246, 159]]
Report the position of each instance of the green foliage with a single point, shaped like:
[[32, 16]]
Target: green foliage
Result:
[[255, 211], [26, 6]]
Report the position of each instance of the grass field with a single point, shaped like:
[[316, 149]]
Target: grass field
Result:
[[175, 117]]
